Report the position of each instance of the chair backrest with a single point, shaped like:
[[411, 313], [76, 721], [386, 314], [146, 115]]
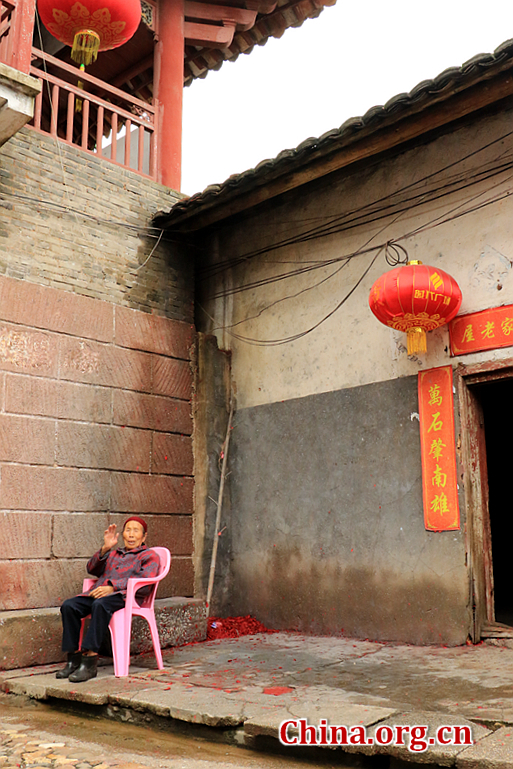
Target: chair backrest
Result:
[[165, 562]]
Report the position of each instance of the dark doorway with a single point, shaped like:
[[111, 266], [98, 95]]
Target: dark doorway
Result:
[[497, 403]]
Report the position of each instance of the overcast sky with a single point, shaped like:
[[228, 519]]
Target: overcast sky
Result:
[[354, 56]]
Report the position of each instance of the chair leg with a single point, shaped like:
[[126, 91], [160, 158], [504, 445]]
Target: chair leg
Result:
[[156, 641], [82, 624], [120, 635]]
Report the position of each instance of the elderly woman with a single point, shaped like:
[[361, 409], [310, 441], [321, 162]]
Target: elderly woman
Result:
[[113, 566]]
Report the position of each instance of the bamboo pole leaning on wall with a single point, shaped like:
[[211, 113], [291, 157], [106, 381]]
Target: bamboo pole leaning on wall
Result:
[[219, 508]]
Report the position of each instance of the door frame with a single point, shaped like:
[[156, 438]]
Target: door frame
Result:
[[475, 481]]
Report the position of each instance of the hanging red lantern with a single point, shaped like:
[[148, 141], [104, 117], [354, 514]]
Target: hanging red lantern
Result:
[[415, 298], [90, 26]]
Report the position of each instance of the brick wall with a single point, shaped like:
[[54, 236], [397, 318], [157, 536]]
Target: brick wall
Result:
[[79, 223], [95, 370]]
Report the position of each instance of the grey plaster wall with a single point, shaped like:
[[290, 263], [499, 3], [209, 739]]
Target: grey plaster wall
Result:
[[327, 520]]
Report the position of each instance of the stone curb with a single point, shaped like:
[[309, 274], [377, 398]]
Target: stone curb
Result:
[[225, 710]]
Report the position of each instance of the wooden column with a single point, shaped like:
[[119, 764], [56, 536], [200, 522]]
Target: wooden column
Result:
[[168, 81], [23, 27]]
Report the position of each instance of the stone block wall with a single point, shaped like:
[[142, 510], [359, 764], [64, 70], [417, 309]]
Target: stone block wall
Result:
[[95, 370], [95, 424]]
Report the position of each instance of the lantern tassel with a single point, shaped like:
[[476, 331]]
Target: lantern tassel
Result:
[[417, 342], [85, 47], [80, 84]]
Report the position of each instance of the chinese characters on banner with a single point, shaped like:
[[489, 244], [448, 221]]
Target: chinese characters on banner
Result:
[[485, 330], [439, 479]]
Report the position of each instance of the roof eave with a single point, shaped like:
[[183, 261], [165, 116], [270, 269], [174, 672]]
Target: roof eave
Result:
[[404, 118]]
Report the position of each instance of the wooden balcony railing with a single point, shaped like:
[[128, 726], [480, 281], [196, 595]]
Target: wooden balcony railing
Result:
[[98, 118]]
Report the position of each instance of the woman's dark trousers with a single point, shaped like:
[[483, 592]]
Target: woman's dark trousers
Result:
[[101, 610]]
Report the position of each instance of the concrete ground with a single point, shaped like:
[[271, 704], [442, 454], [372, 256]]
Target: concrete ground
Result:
[[243, 689]]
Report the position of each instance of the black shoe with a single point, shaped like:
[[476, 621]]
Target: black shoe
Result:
[[71, 665], [87, 669]]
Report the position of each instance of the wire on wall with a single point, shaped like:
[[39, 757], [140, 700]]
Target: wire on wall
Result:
[[395, 253], [374, 211]]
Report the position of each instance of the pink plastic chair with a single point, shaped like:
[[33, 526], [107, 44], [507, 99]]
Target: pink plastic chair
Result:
[[120, 625]]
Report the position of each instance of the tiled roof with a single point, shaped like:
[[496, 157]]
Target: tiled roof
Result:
[[285, 14], [426, 94]]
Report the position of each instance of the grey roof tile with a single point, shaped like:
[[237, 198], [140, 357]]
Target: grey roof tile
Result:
[[427, 90]]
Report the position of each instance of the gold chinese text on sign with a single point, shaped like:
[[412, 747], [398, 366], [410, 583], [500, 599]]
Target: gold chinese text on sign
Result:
[[485, 330], [439, 479]]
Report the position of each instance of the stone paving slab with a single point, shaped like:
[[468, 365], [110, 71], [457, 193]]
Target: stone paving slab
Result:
[[31, 687], [255, 682], [379, 718], [8, 675], [492, 752], [180, 621], [152, 700], [95, 692], [268, 724], [441, 755]]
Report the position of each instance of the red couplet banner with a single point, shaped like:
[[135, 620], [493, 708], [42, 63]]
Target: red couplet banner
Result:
[[484, 330], [438, 452]]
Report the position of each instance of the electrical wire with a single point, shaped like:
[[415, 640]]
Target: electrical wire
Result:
[[150, 254], [157, 232], [149, 231], [282, 299], [292, 273], [332, 226], [406, 205], [50, 100], [395, 253], [294, 337], [401, 201]]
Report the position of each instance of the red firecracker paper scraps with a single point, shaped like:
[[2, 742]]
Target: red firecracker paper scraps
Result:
[[233, 627]]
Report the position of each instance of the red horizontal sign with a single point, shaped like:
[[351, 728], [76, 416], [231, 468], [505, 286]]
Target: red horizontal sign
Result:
[[485, 330], [438, 451]]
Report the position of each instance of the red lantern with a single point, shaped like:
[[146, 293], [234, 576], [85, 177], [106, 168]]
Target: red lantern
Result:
[[415, 298], [90, 26]]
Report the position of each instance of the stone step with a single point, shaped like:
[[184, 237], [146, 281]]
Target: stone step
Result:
[[33, 636]]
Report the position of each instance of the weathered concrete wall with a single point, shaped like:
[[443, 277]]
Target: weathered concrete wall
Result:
[[329, 534], [351, 347], [325, 479]]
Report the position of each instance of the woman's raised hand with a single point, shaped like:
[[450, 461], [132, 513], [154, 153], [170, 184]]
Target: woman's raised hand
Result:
[[110, 538]]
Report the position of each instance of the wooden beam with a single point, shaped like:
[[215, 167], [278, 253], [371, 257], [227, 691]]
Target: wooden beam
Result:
[[242, 18], [137, 69], [208, 35], [168, 92], [22, 30], [261, 6]]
